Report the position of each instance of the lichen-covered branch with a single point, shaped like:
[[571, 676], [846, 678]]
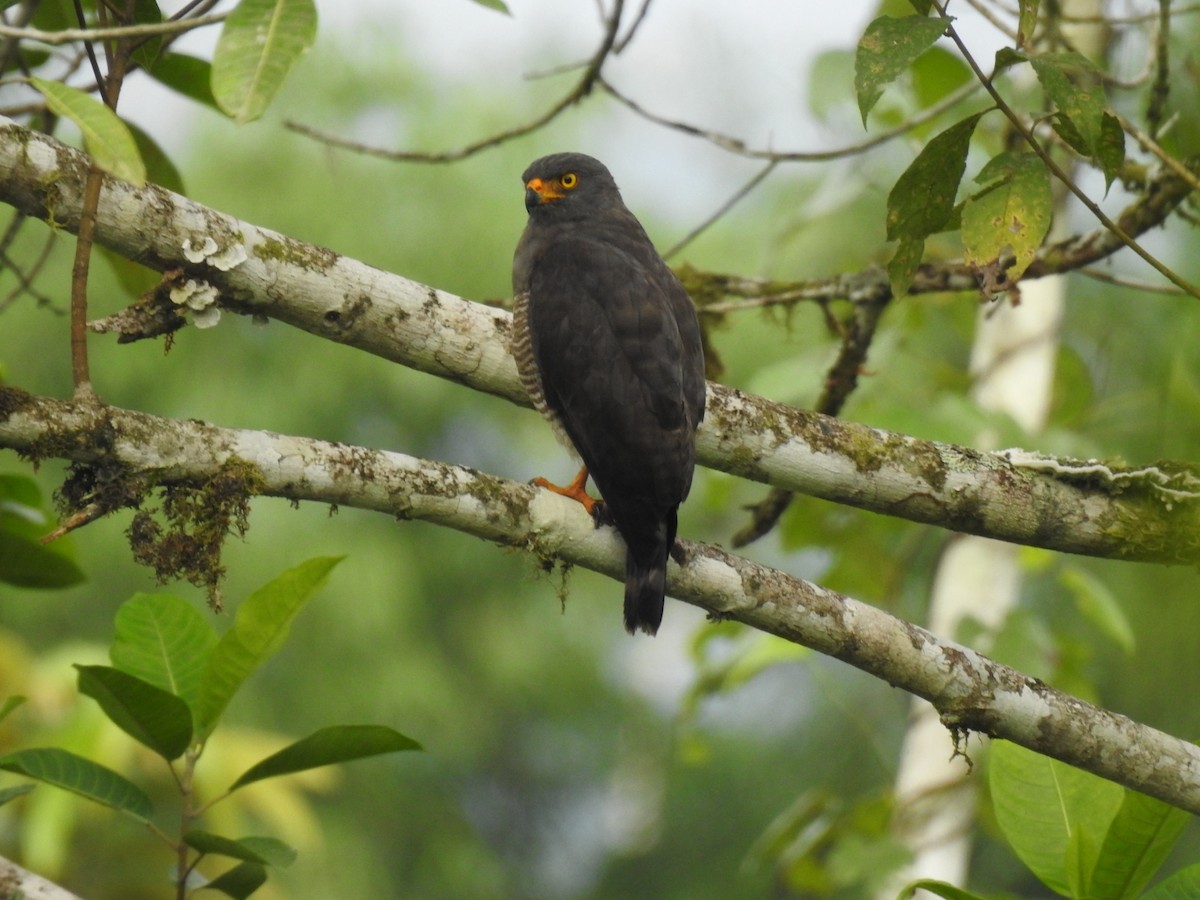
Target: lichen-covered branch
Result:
[[18, 882], [971, 692], [1150, 514]]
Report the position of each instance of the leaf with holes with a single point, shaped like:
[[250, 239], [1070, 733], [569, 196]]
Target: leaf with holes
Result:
[[1012, 214]]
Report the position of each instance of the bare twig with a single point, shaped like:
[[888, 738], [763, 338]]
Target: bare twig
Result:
[[738, 146], [584, 87], [73, 35], [840, 382], [733, 200]]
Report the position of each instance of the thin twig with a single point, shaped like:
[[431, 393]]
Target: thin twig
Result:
[[840, 382], [73, 35], [584, 87], [738, 146], [1162, 76], [1121, 281], [620, 45], [1150, 145], [737, 196]]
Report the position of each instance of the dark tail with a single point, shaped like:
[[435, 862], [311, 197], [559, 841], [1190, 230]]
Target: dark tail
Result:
[[646, 576]]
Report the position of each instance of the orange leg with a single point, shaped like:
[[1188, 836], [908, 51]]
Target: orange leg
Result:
[[576, 490]]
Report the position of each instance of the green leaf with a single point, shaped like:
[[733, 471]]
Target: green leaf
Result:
[[265, 850], [1136, 845], [1026, 21], [24, 560], [1098, 605], [336, 744], [1183, 885], [209, 843], [936, 74], [939, 888], [259, 628], [31, 564], [186, 75], [107, 139], [159, 167], [12, 793], [260, 42], [148, 714], [1110, 152], [1072, 83], [902, 267], [72, 772], [165, 641], [135, 278], [1011, 214], [922, 200], [146, 12], [1054, 816], [10, 704], [498, 5], [1108, 155], [887, 48], [274, 851], [239, 882]]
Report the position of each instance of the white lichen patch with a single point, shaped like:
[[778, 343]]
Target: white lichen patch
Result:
[[1170, 485]]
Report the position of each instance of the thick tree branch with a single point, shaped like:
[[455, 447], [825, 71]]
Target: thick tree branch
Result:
[[18, 882], [971, 692], [1087, 507]]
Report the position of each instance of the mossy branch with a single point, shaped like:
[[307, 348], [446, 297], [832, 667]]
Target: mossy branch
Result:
[[258, 272], [970, 691]]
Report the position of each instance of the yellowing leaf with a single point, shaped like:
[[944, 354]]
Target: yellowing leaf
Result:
[[1013, 213]]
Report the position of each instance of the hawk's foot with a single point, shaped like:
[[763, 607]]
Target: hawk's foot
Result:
[[577, 490]]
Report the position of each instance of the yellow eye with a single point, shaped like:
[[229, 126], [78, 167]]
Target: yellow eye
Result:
[[569, 180]]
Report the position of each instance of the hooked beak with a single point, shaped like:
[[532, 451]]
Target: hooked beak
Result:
[[538, 192]]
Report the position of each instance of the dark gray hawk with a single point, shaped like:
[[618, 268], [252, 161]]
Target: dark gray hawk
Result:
[[608, 346]]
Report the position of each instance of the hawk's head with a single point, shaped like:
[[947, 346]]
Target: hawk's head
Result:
[[568, 186]]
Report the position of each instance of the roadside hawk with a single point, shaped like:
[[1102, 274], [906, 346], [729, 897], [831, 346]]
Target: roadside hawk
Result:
[[608, 346]]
